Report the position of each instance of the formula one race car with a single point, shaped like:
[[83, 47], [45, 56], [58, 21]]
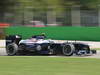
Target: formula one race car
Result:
[[38, 45]]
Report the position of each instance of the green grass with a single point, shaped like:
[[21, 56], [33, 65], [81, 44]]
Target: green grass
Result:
[[42, 65], [2, 47], [95, 48]]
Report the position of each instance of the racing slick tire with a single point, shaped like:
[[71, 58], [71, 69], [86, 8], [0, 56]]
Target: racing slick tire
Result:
[[11, 49], [68, 49]]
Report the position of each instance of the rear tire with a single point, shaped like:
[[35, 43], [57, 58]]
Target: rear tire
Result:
[[68, 49], [12, 49]]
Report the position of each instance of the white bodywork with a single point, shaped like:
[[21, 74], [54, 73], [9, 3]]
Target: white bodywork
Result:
[[40, 41]]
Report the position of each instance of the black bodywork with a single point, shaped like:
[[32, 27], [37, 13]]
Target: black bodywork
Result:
[[13, 47]]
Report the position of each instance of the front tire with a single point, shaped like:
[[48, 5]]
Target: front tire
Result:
[[12, 49], [68, 49]]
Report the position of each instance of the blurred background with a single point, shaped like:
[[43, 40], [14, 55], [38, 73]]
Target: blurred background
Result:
[[41, 13], [50, 12]]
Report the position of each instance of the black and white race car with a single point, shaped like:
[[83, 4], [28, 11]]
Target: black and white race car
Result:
[[38, 45]]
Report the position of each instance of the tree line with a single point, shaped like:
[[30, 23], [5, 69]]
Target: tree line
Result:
[[55, 5]]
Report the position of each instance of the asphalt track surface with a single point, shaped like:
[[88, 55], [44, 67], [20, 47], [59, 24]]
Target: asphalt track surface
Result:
[[3, 53]]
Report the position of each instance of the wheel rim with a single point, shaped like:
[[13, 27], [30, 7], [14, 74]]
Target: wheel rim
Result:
[[10, 50], [67, 50]]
